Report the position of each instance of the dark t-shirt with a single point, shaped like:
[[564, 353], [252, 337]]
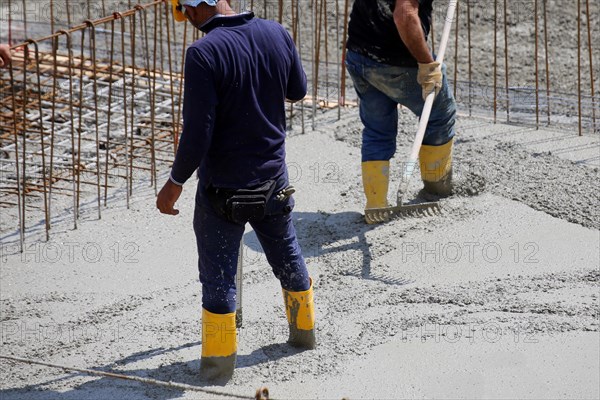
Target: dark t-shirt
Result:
[[236, 81], [373, 33]]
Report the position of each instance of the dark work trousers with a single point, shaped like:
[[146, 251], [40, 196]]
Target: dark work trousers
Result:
[[218, 242]]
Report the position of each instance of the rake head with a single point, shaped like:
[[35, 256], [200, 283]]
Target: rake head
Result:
[[379, 215]]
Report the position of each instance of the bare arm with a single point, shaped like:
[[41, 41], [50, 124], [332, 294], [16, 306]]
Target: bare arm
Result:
[[406, 18], [4, 55]]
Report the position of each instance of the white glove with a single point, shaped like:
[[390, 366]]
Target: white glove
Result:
[[430, 78]]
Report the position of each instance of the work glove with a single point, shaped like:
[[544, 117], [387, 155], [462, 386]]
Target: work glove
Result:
[[430, 78]]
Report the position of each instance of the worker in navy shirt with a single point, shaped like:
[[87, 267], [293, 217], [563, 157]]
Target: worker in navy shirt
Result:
[[237, 78]]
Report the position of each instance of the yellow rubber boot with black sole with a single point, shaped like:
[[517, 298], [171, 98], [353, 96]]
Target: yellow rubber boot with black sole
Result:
[[376, 180], [436, 168], [219, 346], [300, 311]]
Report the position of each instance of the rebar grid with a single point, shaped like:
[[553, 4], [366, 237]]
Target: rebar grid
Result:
[[90, 108], [72, 125]]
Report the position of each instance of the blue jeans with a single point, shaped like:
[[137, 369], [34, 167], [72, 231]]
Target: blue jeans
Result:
[[218, 242], [380, 88]]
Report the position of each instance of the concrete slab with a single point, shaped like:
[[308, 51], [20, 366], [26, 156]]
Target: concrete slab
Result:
[[566, 144], [390, 304]]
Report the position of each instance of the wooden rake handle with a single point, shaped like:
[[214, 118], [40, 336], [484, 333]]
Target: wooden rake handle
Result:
[[409, 167]]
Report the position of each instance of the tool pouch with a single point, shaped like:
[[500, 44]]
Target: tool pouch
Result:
[[241, 205]]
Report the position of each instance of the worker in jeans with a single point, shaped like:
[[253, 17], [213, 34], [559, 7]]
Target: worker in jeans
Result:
[[390, 63]]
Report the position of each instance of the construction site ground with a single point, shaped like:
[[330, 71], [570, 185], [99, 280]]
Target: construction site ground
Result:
[[495, 297]]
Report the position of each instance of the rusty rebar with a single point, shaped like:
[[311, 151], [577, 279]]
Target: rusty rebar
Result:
[[179, 128], [318, 15], [432, 29], [591, 57], [132, 116], [24, 146], [72, 125], [456, 33], [43, 147], [343, 60], [80, 119], [173, 115], [300, 36], [280, 14], [506, 68], [326, 29], [151, 87], [537, 68], [75, 28], [469, 45], [337, 70], [495, 61], [295, 21], [55, 42], [17, 168], [547, 59], [10, 26], [51, 15], [107, 374], [109, 112], [125, 114], [68, 12], [313, 56], [25, 18], [579, 95], [92, 28]]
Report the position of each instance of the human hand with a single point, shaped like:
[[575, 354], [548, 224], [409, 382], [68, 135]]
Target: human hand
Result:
[[4, 55], [167, 197], [430, 78]]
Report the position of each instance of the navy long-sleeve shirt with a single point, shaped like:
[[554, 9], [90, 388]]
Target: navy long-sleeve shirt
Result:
[[237, 78]]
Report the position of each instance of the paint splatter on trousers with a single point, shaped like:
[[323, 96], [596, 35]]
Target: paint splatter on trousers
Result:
[[218, 242]]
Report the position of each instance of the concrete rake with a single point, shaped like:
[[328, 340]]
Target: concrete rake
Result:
[[378, 215]]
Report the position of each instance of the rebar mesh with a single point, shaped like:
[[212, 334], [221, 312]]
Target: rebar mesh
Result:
[[92, 105]]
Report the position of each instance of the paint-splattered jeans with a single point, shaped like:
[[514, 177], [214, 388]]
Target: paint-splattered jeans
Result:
[[218, 242], [380, 89]]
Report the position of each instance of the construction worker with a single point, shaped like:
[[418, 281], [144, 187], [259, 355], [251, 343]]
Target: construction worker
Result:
[[237, 78], [4, 55], [390, 63]]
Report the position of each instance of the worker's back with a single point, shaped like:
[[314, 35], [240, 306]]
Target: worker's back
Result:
[[373, 33], [254, 67]]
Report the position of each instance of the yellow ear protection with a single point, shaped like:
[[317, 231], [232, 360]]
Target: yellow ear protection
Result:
[[178, 11]]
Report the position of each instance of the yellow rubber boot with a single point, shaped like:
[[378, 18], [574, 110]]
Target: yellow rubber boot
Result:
[[376, 178], [300, 311], [436, 168], [219, 346]]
